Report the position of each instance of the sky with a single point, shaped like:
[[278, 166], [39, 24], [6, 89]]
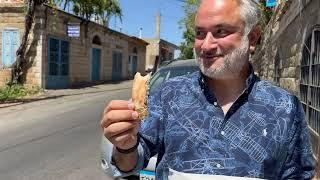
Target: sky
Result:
[[142, 14]]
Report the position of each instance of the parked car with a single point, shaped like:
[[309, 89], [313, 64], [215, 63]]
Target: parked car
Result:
[[172, 69]]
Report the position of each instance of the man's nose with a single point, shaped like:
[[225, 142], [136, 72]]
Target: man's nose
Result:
[[209, 43]]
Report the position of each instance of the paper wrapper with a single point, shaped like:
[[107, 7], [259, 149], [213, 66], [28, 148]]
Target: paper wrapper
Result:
[[140, 90]]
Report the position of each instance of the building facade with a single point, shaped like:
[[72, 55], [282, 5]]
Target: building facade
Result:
[[161, 49], [65, 50], [289, 56]]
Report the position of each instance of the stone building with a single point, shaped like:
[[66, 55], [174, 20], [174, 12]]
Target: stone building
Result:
[[289, 56], [65, 50], [158, 48]]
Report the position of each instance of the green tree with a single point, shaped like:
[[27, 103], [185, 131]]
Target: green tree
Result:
[[102, 9], [186, 47], [19, 68]]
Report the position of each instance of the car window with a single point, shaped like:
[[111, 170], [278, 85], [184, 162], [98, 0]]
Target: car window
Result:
[[157, 80], [182, 71], [164, 75]]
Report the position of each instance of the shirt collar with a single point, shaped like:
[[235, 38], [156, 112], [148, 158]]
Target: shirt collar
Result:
[[250, 81]]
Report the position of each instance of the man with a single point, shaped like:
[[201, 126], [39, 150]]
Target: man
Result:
[[224, 120]]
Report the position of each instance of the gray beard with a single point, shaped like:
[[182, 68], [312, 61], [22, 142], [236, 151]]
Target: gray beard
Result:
[[233, 64]]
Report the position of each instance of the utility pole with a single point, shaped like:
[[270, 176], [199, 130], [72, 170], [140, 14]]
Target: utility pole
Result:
[[140, 33], [158, 24]]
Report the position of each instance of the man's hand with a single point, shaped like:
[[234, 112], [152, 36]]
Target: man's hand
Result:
[[120, 124]]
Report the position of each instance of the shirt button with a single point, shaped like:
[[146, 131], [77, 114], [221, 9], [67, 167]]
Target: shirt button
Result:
[[215, 103], [223, 133], [218, 165]]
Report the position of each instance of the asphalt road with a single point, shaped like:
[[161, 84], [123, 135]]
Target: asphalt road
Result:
[[57, 139]]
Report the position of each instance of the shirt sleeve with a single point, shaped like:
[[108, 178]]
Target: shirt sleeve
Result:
[[108, 165], [300, 163], [152, 128]]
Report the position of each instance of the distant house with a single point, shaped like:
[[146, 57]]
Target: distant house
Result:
[[66, 50], [160, 48]]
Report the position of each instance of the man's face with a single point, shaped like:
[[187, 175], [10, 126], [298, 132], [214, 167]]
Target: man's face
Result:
[[221, 46]]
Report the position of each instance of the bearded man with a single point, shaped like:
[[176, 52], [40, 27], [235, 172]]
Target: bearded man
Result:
[[222, 120]]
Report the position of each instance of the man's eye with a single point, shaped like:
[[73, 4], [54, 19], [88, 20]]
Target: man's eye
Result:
[[222, 33], [200, 34]]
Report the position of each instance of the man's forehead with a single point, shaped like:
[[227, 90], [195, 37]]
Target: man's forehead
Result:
[[226, 8], [219, 3], [218, 13]]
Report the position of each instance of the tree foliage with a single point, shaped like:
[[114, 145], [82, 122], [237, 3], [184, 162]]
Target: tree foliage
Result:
[[99, 9], [186, 47]]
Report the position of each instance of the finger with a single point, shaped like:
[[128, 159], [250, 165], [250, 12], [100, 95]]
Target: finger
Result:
[[116, 129], [136, 128], [116, 105], [123, 137], [118, 116]]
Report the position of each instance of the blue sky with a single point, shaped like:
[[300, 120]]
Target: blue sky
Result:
[[142, 13]]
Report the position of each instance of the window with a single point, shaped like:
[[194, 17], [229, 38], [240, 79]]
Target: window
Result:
[[10, 45], [277, 70], [135, 51], [310, 85], [96, 40], [58, 57], [117, 61], [170, 56]]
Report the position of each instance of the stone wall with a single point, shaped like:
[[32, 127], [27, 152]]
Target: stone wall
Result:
[[152, 51], [279, 57], [5, 76], [282, 43], [12, 16]]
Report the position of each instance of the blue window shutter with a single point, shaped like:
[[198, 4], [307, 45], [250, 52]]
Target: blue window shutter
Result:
[[54, 57], [10, 45], [64, 58], [6, 54], [15, 43]]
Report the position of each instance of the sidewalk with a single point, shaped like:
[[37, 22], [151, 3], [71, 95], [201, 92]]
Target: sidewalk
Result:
[[60, 93]]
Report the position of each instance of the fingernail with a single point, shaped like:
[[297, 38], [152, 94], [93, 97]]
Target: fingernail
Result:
[[131, 106], [135, 115]]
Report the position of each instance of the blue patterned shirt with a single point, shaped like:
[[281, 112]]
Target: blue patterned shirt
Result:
[[263, 135]]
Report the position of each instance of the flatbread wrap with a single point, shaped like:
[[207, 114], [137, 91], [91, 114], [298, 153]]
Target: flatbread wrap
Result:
[[140, 90]]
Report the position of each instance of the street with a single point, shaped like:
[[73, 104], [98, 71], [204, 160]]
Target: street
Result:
[[56, 139]]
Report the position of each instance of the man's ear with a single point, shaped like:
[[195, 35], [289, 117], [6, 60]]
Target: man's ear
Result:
[[254, 36]]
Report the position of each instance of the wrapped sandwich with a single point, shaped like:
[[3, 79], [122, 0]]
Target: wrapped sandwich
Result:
[[140, 90]]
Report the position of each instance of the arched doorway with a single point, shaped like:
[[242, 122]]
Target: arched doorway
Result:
[[133, 62], [96, 59]]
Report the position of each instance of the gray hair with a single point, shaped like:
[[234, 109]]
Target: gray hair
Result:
[[250, 13]]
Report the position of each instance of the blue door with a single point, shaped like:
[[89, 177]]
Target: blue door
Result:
[[134, 64], [10, 45], [96, 61], [116, 66], [58, 63]]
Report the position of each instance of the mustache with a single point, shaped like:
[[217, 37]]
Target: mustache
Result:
[[211, 53]]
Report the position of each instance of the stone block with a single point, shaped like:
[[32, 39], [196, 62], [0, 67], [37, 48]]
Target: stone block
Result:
[[289, 72], [295, 60], [289, 84], [293, 49]]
